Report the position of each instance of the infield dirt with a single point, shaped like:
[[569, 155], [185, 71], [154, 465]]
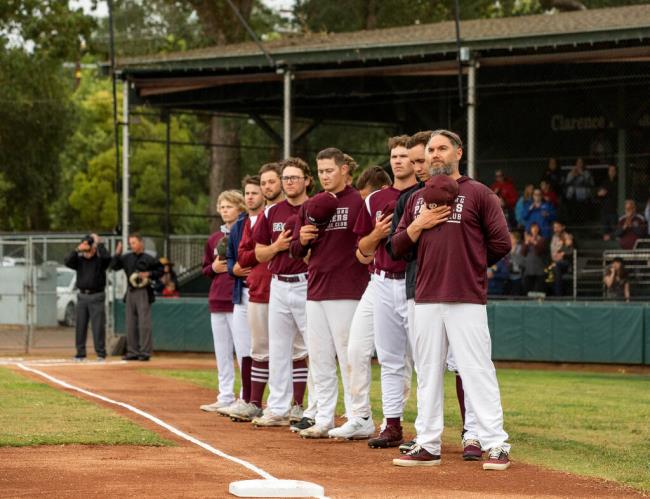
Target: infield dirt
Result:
[[344, 469]]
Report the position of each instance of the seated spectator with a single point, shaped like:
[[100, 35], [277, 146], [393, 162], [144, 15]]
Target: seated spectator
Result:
[[553, 176], [577, 190], [541, 213], [168, 274], [646, 214], [617, 285], [608, 197], [506, 212], [534, 253], [562, 259], [523, 203], [631, 226], [170, 291], [514, 286], [497, 276], [548, 194], [504, 187]]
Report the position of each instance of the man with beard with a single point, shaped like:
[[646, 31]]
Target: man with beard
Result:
[[286, 311], [455, 246]]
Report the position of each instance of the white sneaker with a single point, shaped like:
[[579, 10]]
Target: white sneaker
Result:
[[295, 414], [270, 419], [316, 431], [354, 429], [214, 407], [246, 413], [228, 410]]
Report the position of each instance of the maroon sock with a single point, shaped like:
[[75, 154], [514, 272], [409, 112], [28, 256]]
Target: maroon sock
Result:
[[300, 371], [246, 363], [259, 378], [393, 422], [460, 393]]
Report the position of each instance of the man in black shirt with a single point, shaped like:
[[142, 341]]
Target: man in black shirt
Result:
[[90, 259], [141, 270]]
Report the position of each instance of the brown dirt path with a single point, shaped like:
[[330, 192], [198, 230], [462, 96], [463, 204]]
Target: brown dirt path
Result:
[[345, 469]]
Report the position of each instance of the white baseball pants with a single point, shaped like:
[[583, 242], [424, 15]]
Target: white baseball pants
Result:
[[464, 328], [361, 346], [240, 329], [286, 321], [258, 321], [328, 331], [225, 341], [392, 343]]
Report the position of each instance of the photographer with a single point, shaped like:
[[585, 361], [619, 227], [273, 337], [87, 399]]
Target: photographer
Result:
[[90, 259], [141, 270], [616, 282]]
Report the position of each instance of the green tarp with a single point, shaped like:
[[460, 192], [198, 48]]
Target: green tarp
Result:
[[528, 331]]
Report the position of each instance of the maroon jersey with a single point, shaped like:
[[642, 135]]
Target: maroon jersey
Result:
[[368, 217], [453, 257], [259, 279], [268, 228], [220, 296], [334, 271]]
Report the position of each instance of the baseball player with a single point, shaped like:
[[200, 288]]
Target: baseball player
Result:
[[336, 282], [254, 204], [230, 205], [288, 291], [455, 246], [416, 145]]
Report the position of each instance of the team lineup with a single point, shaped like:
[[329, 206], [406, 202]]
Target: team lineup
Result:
[[301, 284]]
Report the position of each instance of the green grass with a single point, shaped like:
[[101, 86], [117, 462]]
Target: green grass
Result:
[[589, 424], [33, 413]]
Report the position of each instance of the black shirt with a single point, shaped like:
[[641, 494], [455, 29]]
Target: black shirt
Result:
[[142, 262], [91, 272], [411, 257]]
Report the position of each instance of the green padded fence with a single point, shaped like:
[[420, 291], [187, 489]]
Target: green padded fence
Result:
[[529, 331]]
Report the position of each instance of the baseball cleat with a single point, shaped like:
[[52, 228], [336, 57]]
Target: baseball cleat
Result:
[[417, 456], [315, 431], [472, 450], [246, 413], [303, 424], [354, 429], [214, 407], [295, 414], [268, 419], [236, 405], [391, 436], [406, 446], [498, 459]]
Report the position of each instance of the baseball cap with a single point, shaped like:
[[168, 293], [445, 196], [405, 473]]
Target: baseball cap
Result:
[[440, 190], [320, 209], [388, 208], [290, 223]]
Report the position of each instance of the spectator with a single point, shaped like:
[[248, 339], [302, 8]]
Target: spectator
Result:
[[504, 187], [617, 285], [170, 291], [562, 257], [506, 212], [168, 274], [549, 195], [534, 253], [515, 266], [540, 213], [578, 185], [646, 213], [608, 196], [498, 275], [523, 203], [631, 226], [553, 176]]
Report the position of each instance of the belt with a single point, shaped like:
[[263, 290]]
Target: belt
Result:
[[390, 275], [90, 291], [290, 278]]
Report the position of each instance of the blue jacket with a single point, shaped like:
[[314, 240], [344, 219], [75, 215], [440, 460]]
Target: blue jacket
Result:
[[521, 208], [544, 216], [236, 233]]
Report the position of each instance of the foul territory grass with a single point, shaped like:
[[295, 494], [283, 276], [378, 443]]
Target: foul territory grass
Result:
[[33, 413], [585, 423]]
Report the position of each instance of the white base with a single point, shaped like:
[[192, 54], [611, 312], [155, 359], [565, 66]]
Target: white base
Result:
[[276, 488]]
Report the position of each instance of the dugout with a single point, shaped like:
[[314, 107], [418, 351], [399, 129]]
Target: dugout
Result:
[[562, 85]]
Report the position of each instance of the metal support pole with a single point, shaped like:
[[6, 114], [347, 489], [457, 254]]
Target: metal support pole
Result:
[[575, 274], [471, 118], [30, 305], [622, 169], [287, 113], [167, 181], [125, 165]]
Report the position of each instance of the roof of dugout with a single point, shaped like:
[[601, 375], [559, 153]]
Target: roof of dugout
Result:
[[383, 67]]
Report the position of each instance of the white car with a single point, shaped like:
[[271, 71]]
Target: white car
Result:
[[66, 295]]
